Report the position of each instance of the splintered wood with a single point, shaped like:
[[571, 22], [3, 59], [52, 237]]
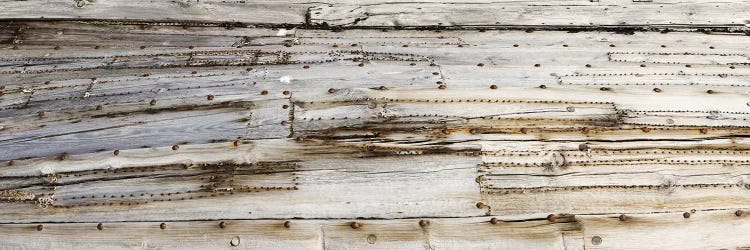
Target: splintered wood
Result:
[[390, 125]]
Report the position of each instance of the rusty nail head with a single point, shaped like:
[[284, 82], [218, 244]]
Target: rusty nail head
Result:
[[515, 45], [623, 217], [100, 226], [551, 217], [117, 152], [588, 65], [152, 102], [287, 224], [11, 163], [413, 64], [542, 86], [331, 90], [704, 130], [285, 106], [435, 73], [40, 227], [657, 90], [605, 89], [643, 65], [264, 92], [585, 130], [286, 92], [493, 221], [686, 215], [738, 213], [480, 64], [98, 107], [612, 45], [41, 113], [143, 47], [645, 129], [236, 143], [175, 147], [537, 65], [524, 130], [306, 67], [63, 156], [210, 97], [424, 223], [355, 225], [688, 65], [710, 91], [222, 225], [163, 226], [480, 205], [442, 86], [493, 86], [361, 64]]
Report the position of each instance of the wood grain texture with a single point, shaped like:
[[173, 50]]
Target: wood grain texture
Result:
[[607, 132]]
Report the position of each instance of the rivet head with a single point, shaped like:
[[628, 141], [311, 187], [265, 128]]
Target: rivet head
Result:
[[657, 90], [175, 147], [331, 90], [596, 240], [116, 152], [354, 225], [152, 102], [163, 226], [686, 215], [287, 224], [493, 221], [424, 223], [210, 97], [100, 226], [222, 224], [551, 217], [738, 213], [493, 86], [40, 227]]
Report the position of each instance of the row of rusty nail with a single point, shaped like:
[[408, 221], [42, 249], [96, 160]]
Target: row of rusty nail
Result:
[[223, 224], [422, 223]]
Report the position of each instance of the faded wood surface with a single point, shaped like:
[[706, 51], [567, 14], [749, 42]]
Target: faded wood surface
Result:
[[453, 125]]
